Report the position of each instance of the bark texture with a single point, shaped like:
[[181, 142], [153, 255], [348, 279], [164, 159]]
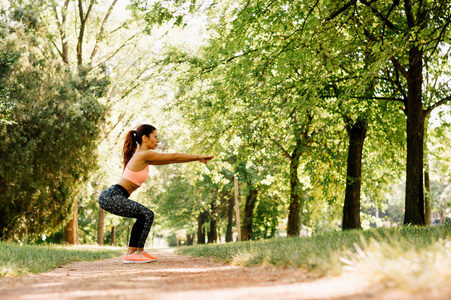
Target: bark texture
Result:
[[427, 199], [230, 210], [213, 234], [414, 203], [351, 208], [70, 235], [201, 220], [294, 220], [246, 229], [100, 227]]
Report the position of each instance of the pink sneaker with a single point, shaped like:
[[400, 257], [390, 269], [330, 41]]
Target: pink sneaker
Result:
[[135, 258], [145, 254]]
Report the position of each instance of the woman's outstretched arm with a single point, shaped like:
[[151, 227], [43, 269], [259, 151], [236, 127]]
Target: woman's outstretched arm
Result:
[[155, 158]]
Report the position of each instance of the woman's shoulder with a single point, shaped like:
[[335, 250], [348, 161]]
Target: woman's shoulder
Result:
[[139, 158], [145, 155]]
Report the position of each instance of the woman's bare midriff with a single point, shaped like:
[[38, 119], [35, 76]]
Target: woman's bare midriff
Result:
[[128, 185]]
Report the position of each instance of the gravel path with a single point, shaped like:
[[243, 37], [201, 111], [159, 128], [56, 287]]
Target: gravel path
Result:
[[181, 277]]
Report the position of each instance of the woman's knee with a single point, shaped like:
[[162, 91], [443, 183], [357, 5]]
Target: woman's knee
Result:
[[148, 215]]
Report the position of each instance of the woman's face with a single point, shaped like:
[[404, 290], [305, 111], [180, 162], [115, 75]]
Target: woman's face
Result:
[[152, 141]]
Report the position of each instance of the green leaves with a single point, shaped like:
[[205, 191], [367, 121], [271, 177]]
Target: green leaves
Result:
[[48, 148], [8, 61]]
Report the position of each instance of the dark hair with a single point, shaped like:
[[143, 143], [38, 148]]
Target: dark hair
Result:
[[133, 139]]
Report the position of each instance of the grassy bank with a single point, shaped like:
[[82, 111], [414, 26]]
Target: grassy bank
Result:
[[407, 254], [16, 260]]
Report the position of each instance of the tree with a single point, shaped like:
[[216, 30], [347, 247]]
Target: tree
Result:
[[408, 38], [51, 123], [71, 228], [41, 115]]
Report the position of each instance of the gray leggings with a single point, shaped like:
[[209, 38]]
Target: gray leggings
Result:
[[115, 200]]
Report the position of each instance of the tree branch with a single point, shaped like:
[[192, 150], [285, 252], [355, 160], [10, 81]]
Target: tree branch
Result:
[[340, 10], [61, 27], [284, 152], [380, 98], [379, 14], [83, 20], [399, 67], [437, 104], [56, 47], [102, 29], [395, 62], [308, 15], [365, 98], [212, 67], [398, 84], [439, 39], [409, 13], [122, 46]]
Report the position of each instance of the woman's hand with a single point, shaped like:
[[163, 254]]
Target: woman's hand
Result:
[[205, 159]]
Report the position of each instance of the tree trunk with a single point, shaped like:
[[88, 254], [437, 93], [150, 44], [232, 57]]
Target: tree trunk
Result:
[[414, 204], [351, 208], [427, 198], [70, 235], [246, 229], [201, 220], [83, 19], [427, 183], [64, 52], [113, 235], [189, 239], [212, 235], [230, 209], [294, 220], [100, 226]]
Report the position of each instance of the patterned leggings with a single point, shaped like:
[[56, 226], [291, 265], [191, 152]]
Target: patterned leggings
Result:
[[115, 200]]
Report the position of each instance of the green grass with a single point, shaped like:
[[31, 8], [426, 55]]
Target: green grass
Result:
[[17, 260], [413, 257], [408, 254]]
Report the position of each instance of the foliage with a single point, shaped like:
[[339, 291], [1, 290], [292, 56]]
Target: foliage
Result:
[[268, 64], [7, 63], [259, 103], [266, 219], [49, 147], [113, 44], [261, 78]]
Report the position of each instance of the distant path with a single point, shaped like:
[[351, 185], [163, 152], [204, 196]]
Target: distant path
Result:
[[181, 277]]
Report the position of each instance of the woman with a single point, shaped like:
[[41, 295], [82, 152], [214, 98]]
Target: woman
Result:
[[115, 199]]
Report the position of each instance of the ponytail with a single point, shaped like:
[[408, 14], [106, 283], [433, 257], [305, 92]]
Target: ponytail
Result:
[[133, 139], [130, 145]]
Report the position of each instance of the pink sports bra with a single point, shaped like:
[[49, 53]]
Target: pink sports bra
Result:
[[137, 177]]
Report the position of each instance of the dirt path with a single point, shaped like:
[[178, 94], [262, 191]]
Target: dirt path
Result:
[[180, 277]]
